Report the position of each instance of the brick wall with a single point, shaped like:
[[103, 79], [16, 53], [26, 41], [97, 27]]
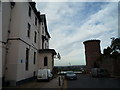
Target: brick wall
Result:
[[111, 64]]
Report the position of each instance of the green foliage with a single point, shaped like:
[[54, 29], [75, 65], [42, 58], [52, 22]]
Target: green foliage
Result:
[[107, 51], [115, 44], [114, 48]]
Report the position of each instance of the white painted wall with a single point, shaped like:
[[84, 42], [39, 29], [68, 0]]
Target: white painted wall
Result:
[[15, 59], [43, 32], [24, 24], [21, 72], [17, 48], [12, 58], [17, 54], [0, 45], [119, 19], [13, 46], [16, 21], [6, 11], [40, 36]]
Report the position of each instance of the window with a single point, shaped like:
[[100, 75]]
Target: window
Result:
[[28, 31], [29, 12], [42, 30], [42, 42], [27, 59], [45, 61], [35, 37], [34, 57], [35, 21]]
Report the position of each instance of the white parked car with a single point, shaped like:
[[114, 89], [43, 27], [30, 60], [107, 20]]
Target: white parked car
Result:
[[99, 72], [44, 74]]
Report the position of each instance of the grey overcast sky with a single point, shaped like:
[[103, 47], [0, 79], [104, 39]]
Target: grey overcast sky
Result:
[[72, 23]]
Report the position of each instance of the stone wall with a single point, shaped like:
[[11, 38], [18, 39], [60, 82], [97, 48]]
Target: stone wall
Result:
[[111, 64]]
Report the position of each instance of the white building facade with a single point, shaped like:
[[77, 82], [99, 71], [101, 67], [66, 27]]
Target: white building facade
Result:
[[118, 19], [23, 32], [0, 45]]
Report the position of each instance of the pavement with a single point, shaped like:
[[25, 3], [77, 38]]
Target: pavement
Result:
[[54, 83]]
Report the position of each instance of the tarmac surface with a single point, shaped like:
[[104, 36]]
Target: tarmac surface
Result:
[[86, 81]]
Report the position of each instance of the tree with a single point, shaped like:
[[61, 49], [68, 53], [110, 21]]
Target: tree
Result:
[[58, 55], [115, 45], [107, 51]]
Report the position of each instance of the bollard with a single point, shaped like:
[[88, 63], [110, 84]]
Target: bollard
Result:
[[59, 81]]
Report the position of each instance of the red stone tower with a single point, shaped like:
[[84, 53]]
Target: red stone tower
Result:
[[92, 53]]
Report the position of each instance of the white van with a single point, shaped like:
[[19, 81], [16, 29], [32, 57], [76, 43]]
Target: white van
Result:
[[44, 74], [99, 72]]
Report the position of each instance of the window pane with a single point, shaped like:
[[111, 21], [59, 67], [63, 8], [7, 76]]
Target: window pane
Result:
[[29, 11], [34, 57], [28, 32], [35, 36], [27, 59], [45, 61], [35, 21]]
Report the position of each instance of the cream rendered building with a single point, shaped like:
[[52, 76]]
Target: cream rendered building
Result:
[[46, 55], [118, 19], [26, 47]]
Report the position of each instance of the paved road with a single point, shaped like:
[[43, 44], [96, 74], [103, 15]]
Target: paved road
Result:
[[86, 81]]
